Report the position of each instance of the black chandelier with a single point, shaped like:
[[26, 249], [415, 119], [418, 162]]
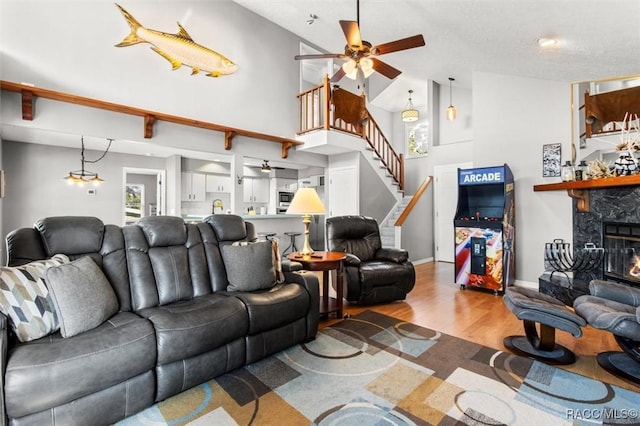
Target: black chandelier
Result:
[[83, 176]]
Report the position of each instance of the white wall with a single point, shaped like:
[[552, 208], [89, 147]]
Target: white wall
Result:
[[69, 46], [34, 176], [513, 118]]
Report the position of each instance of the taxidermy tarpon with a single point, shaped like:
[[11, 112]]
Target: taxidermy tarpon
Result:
[[179, 49]]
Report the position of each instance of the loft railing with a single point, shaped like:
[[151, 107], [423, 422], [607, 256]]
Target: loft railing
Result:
[[316, 113]]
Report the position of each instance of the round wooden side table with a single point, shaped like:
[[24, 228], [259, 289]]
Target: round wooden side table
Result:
[[325, 261]]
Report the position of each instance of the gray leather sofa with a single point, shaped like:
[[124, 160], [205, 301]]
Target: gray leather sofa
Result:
[[177, 325]]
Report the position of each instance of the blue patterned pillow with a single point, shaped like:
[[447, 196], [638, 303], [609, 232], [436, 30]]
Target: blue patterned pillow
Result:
[[25, 299]]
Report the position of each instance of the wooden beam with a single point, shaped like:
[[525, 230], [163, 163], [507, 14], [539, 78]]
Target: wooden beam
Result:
[[29, 93]]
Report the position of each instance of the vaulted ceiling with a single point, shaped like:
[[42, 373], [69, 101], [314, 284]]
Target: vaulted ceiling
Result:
[[596, 38]]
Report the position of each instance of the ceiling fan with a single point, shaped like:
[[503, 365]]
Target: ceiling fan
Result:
[[362, 55], [266, 168]]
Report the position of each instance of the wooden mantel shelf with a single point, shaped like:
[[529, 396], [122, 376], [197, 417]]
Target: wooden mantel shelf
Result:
[[580, 189], [29, 93]]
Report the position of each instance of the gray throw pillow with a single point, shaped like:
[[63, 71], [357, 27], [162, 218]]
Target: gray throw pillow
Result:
[[249, 267], [82, 295]]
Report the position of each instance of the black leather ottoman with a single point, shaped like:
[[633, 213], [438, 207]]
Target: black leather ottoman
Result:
[[534, 307]]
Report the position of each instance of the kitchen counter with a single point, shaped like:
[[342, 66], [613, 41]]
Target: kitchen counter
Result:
[[279, 224], [270, 216]]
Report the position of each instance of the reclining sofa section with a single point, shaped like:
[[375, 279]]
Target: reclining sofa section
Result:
[[177, 325]]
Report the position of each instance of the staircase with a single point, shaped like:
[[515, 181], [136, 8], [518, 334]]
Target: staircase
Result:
[[318, 116], [388, 231]]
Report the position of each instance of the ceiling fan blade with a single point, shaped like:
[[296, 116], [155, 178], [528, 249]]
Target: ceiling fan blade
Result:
[[402, 44], [338, 75], [352, 34], [385, 69], [321, 56]]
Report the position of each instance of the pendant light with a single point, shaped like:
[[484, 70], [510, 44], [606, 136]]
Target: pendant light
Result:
[[410, 113], [451, 111], [84, 176]]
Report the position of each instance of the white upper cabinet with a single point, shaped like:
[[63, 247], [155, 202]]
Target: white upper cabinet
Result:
[[219, 183]]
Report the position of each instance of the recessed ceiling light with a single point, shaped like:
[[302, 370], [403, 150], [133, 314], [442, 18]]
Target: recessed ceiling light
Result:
[[546, 42]]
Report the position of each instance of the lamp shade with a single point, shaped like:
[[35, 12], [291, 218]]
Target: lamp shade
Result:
[[306, 201]]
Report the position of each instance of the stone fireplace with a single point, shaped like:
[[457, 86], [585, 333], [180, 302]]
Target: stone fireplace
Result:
[[614, 223]]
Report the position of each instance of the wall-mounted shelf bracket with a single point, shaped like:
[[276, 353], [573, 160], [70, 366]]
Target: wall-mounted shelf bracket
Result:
[[582, 199], [27, 105], [228, 139], [149, 121]]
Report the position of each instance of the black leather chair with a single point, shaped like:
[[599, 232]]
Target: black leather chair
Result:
[[616, 308], [372, 274]]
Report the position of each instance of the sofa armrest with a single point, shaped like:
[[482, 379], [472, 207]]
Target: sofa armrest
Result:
[[392, 255], [309, 281], [4, 343], [614, 291], [291, 266], [352, 260]]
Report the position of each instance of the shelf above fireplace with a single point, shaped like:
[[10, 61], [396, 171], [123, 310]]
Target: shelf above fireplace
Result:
[[580, 189]]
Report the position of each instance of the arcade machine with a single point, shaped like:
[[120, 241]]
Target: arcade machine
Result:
[[485, 229]]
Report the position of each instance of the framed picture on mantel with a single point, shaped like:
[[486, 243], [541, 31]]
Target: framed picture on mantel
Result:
[[551, 160]]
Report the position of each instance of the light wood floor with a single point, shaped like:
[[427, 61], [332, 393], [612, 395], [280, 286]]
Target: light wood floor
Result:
[[436, 302]]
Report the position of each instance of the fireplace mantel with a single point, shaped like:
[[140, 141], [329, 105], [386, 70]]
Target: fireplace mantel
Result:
[[580, 189]]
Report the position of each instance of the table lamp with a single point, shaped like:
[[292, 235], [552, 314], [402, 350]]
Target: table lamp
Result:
[[306, 202]]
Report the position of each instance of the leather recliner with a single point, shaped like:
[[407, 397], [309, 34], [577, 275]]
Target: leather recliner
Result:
[[615, 308], [372, 274]]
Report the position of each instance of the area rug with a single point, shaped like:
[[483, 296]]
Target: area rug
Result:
[[372, 369]]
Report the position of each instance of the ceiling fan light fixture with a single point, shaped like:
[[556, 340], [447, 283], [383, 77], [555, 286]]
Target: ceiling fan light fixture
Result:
[[366, 65], [452, 113], [410, 113], [350, 69]]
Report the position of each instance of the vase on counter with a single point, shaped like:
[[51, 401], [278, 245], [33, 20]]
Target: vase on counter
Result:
[[625, 165]]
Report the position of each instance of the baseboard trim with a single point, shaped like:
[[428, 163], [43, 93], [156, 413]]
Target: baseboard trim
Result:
[[420, 261]]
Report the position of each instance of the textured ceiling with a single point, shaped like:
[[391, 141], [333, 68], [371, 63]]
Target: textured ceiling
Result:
[[597, 38]]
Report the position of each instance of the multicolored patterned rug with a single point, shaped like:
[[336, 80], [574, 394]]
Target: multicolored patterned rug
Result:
[[372, 369]]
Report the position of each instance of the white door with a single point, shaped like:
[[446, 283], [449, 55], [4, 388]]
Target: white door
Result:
[[344, 194], [445, 200]]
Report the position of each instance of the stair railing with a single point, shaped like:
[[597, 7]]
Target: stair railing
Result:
[[315, 113], [397, 226]]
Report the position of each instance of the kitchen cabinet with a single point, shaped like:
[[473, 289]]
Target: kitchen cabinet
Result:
[[193, 186], [287, 185], [218, 183], [255, 190]]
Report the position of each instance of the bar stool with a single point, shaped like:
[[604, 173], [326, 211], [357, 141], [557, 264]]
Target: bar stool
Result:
[[266, 235], [291, 248]]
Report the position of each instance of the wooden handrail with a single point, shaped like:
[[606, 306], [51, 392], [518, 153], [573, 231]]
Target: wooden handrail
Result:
[[150, 117], [405, 213], [316, 113]]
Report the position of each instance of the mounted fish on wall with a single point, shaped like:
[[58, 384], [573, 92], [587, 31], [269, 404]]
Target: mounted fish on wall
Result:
[[179, 49]]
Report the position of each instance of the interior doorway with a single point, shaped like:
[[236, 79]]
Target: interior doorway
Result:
[[445, 200], [143, 193], [344, 194]]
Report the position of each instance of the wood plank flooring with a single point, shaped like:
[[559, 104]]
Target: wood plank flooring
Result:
[[436, 302]]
